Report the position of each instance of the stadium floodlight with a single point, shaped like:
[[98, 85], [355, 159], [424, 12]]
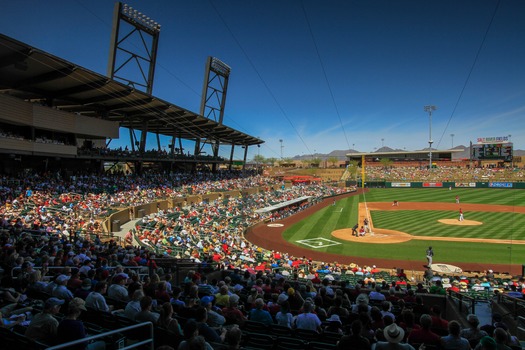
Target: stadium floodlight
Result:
[[138, 17], [430, 109]]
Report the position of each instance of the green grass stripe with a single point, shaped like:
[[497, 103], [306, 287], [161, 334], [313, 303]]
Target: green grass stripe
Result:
[[424, 223]]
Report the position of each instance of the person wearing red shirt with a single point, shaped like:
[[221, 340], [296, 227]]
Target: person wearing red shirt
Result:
[[424, 334]]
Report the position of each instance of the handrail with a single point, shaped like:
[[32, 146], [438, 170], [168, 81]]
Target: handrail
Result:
[[138, 268], [464, 299], [517, 303], [102, 335]]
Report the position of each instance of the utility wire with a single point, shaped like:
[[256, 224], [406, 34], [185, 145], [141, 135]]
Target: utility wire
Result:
[[470, 72], [324, 73], [259, 75]]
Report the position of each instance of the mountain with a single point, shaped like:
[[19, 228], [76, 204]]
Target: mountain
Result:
[[341, 154]]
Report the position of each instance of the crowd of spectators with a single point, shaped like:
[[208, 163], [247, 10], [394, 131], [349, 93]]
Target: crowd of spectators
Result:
[[443, 174], [62, 277]]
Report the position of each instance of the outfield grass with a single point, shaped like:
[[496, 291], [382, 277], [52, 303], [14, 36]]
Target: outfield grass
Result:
[[424, 223]]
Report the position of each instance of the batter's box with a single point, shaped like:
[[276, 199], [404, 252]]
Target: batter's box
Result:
[[318, 242]]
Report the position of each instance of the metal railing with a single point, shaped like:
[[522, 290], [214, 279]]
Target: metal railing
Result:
[[140, 270], [516, 306], [466, 303], [120, 330]]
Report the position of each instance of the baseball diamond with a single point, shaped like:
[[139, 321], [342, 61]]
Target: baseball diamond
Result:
[[472, 244]]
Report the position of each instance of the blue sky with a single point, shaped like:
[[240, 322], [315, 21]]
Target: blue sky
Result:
[[319, 75]]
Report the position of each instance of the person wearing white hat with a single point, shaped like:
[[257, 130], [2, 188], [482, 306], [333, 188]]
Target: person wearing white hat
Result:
[[394, 336]]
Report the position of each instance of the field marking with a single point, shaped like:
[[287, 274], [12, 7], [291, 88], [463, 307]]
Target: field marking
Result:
[[340, 210], [319, 242]]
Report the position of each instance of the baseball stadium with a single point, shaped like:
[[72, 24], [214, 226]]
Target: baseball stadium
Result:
[[181, 247]]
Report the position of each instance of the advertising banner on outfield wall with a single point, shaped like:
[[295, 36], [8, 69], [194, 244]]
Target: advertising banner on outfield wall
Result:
[[500, 184], [400, 184], [432, 184], [465, 184]]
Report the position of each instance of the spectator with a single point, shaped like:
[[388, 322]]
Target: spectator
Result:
[[70, 328], [454, 341], [133, 307], [232, 313], [361, 302], [487, 343], [233, 338], [394, 336], [473, 334], [161, 294], [501, 337], [334, 324], [308, 320], [257, 314], [437, 288], [61, 291], [424, 334], [376, 294], [167, 321], [337, 308], [386, 308], [145, 314], [11, 322], [355, 340], [84, 290], [210, 334], [44, 325], [117, 291], [215, 320], [438, 322], [284, 317], [191, 332], [96, 300]]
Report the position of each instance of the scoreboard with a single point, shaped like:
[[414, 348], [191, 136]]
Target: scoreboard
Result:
[[501, 151]]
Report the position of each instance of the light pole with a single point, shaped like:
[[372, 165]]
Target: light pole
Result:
[[452, 136], [281, 141], [429, 109], [382, 144]]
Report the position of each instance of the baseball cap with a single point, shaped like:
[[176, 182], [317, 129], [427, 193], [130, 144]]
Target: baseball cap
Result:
[[52, 302], [86, 283], [234, 298], [118, 278], [62, 278], [282, 298], [488, 342], [206, 300]]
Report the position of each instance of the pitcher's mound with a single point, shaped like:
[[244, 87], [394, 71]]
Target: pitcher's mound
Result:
[[460, 223]]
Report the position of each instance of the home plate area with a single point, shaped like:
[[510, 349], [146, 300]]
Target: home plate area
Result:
[[317, 242]]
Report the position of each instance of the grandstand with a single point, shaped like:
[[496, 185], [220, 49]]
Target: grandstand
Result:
[[185, 248], [58, 115]]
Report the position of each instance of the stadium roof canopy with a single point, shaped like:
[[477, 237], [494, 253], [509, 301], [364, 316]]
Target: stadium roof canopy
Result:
[[37, 76]]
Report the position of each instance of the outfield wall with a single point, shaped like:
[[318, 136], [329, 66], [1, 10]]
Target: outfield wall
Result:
[[402, 184]]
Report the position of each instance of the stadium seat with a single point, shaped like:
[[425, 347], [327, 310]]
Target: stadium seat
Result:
[[288, 343]]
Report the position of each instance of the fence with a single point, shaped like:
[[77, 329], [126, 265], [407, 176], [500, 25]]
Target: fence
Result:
[[106, 334]]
